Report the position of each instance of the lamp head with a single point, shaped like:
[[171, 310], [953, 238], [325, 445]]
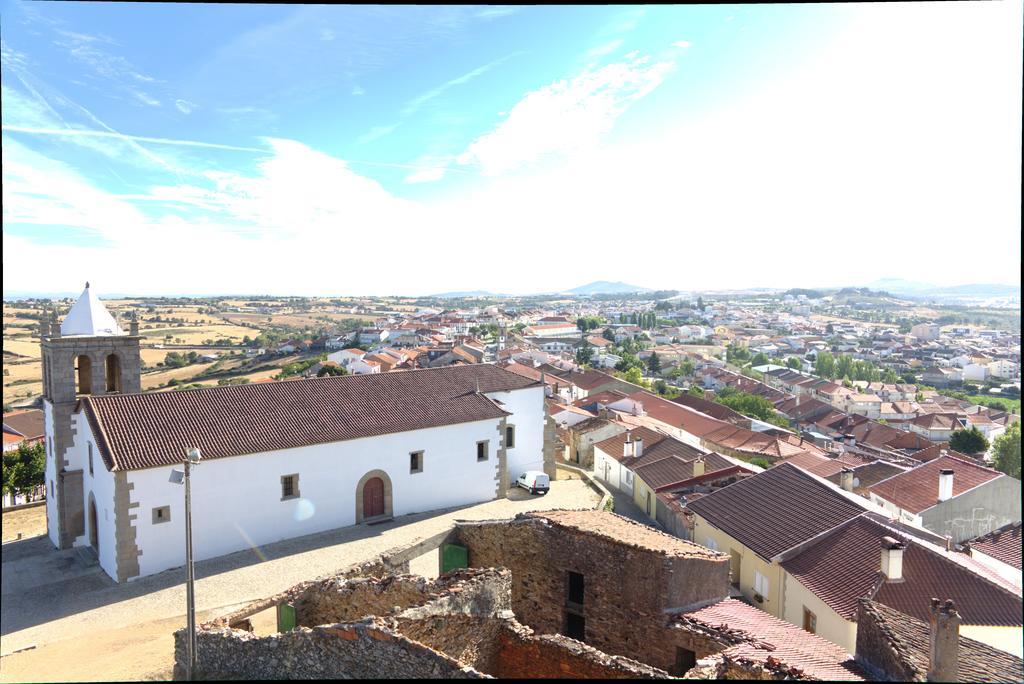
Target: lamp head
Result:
[[177, 476], [194, 455]]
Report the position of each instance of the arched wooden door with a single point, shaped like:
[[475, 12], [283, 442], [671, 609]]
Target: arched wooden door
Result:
[[373, 497], [94, 537]]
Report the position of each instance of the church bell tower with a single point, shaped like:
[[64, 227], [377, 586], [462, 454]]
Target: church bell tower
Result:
[[86, 354]]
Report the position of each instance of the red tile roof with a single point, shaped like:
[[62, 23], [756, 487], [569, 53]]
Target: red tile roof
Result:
[[918, 489], [614, 446], [776, 510], [1003, 544], [844, 566], [755, 636], [676, 415], [136, 431], [28, 423]]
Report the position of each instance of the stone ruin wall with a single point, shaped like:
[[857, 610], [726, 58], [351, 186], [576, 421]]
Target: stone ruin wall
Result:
[[628, 589]]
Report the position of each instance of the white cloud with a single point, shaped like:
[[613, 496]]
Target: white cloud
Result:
[[682, 44], [564, 116], [83, 133], [426, 175], [184, 106], [145, 99], [357, 91], [327, 35], [413, 105], [496, 12]]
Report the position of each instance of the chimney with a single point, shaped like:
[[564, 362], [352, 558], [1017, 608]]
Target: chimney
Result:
[[54, 324], [699, 466], [44, 325], [892, 559], [945, 484], [850, 439], [133, 326], [638, 447], [846, 479], [627, 447], [944, 654]]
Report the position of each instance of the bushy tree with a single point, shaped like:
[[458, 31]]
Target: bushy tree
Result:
[[24, 468], [1006, 451], [584, 355], [969, 441], [794, 363], [760, 359], [331, 370], [654, 363]]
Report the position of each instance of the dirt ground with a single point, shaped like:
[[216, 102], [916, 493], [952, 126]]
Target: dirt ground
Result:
[[28, 522]]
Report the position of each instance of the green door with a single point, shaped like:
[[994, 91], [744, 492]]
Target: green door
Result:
[[453, 557], [285, 617]]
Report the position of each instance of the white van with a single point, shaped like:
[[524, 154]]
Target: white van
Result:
[[535, 481]]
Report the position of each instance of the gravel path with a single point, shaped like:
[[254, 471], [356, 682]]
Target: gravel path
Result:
[[89, 607]]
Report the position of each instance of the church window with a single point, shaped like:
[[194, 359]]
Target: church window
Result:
[[161, 514], [289, 487], [481, 450], [416, 462], [84, 375], [510, 436], [90, 458]]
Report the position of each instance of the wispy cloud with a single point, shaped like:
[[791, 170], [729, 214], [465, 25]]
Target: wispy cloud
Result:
[[357, 91], [605, 49], [376, 133], [681, 44], [497, 12], [145, 99], [413, 105], [76, 132], [184, 106], [564, 116]]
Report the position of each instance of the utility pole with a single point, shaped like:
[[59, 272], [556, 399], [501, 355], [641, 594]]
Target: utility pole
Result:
[[178, 477]]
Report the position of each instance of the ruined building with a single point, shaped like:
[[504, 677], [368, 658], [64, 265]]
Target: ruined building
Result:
[[585, 594]]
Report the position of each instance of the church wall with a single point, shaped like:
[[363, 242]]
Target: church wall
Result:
[[101, 485], [237, 502], [527, 405]]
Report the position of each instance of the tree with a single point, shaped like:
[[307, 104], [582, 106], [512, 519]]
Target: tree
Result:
[[584, 355], [608, 335], [654, 363], [24, 468], [968, 441], [634, 376], [700, 303], [686, 367], [794, 363], [760, 359], [331, 370], [661, 387], [1006, 451], [825, 365]]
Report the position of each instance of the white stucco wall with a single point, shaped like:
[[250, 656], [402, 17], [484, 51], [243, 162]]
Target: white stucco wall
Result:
[[612, 473], [527, 407], [236, 502], [101, 485]]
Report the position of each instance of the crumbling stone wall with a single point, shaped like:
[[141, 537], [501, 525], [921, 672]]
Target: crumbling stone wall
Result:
[[551, 656], [502, 647], [364, 650], [346, 600], [629, 589]]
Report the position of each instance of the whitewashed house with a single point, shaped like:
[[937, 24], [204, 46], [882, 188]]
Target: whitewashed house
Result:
[[280, 460], [346, 357]]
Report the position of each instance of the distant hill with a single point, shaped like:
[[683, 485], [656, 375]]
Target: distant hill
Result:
[[918, 289], [606, 287]]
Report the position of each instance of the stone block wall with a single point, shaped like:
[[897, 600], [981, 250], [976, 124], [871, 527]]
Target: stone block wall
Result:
[[366, 650], [629, 590]]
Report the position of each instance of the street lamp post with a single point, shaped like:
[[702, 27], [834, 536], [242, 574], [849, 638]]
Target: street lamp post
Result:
[[178, 477]]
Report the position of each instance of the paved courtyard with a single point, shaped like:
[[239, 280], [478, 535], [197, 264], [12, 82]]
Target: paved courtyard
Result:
[[85, 627]]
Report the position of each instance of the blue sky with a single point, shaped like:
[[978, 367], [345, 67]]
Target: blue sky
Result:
[[340, 150]]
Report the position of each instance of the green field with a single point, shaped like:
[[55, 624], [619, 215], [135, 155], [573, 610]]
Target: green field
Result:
[[1012, 404]]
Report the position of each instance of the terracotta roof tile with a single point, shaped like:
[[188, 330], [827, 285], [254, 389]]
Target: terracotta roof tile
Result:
[[918, 489], [1003, 544], [136, 431], [844, 566], [755, 636], [776, 510], [620, 529]]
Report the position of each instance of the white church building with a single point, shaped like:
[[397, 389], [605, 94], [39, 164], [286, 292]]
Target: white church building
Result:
[[279, 460]]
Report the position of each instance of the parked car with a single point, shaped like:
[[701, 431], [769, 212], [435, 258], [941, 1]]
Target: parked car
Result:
[[535, 481]]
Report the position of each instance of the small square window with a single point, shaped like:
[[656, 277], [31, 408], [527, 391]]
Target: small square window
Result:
[[810, 621], [161, 514], [289, 487], [481, 450], [416, 462]]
